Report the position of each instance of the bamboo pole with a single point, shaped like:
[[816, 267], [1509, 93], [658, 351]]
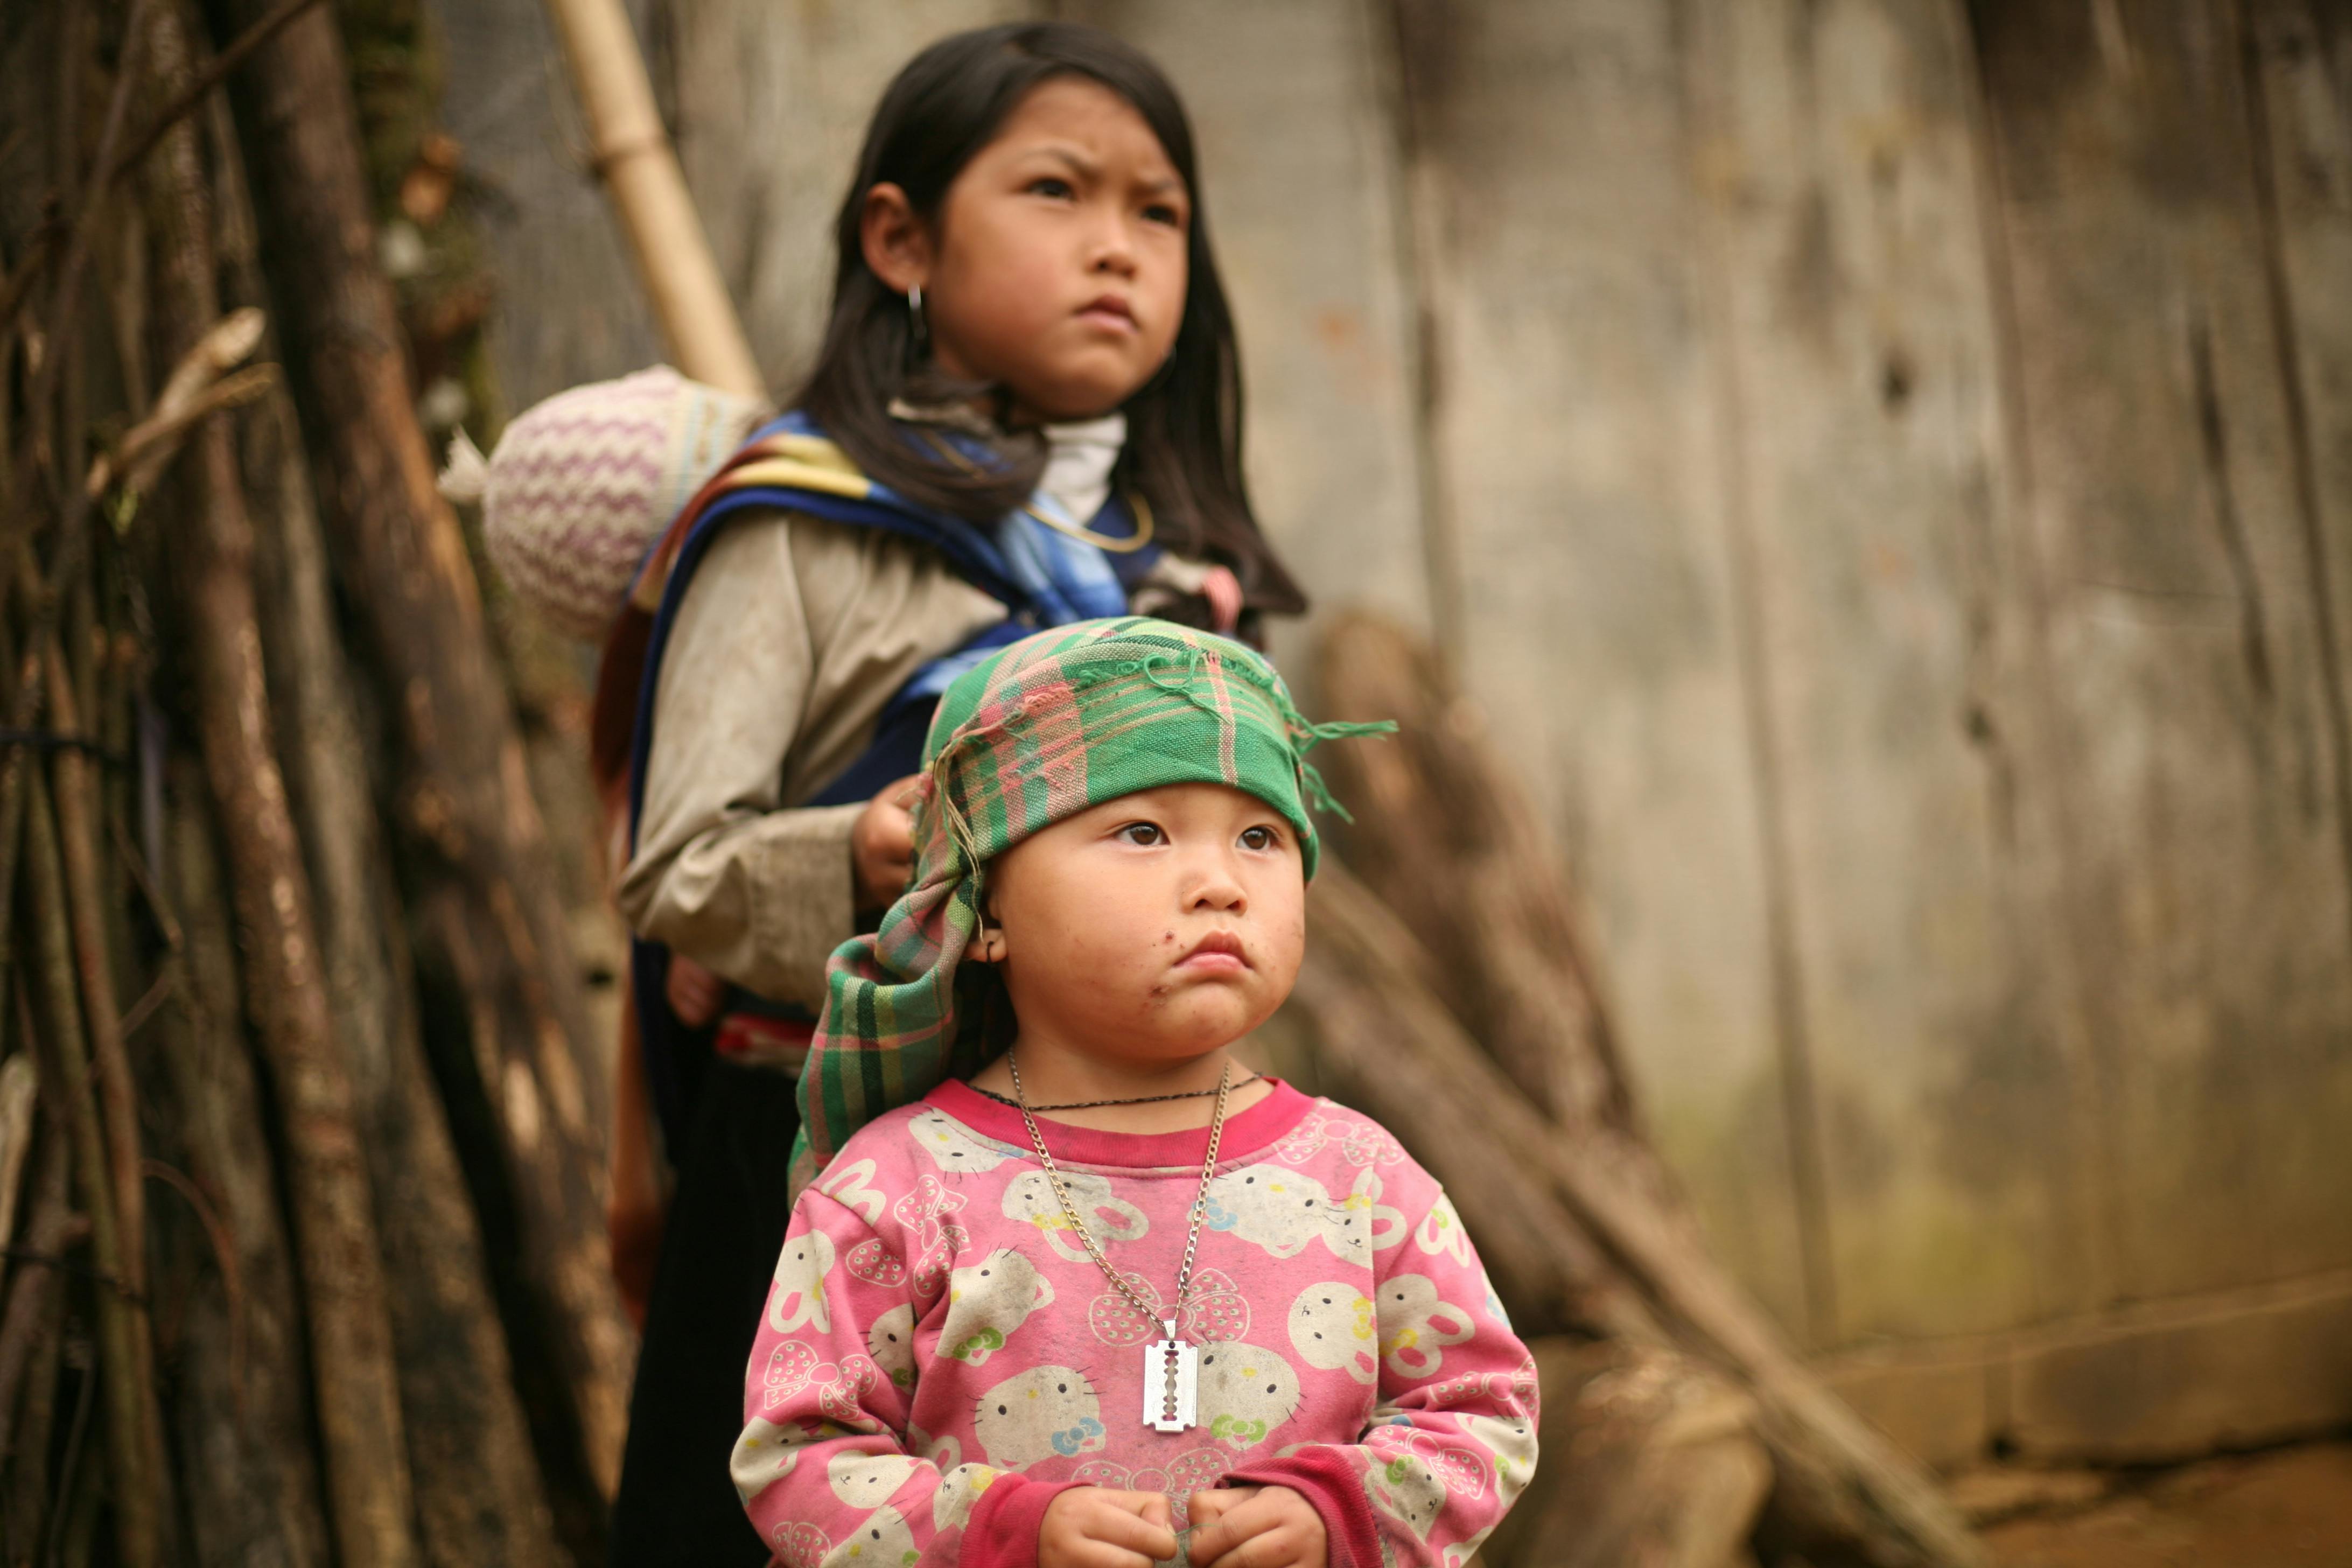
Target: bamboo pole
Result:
[[634, 155]]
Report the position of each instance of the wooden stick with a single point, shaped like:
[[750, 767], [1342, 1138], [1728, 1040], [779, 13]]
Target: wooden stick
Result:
[[632, 154], [246, 1440], [372, 1505], [66, 1056], [475, 835], [19, 1084], [1446, 838], [117, 1097], [24, 1506], [480, 1496], [48, 1234], [193, 90]]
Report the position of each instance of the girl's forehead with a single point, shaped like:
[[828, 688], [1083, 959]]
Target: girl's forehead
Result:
[[1079, 119]]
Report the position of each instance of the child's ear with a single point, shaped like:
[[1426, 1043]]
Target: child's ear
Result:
[[896, 241], [991, 945]]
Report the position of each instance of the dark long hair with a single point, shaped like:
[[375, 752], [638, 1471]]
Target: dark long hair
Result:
[[1183, 448]]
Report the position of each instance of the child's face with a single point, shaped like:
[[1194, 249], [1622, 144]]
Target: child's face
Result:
[[1058, 267], [1153, 927]]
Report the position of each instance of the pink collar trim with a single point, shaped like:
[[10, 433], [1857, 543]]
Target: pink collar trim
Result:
[[1253, 1130]]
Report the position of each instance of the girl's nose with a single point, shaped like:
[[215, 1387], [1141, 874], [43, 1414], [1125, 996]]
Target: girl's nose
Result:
[[1216, 888], [1114, 248]]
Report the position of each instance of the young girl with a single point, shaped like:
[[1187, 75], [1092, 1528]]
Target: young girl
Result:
[[1026, 411], [1113, 1300]]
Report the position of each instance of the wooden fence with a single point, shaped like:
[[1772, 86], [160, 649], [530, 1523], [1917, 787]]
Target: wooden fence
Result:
[[1886, 465]]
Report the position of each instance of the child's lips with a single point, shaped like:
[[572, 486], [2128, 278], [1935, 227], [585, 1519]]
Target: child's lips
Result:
[[1219, 953], [1110, 311]]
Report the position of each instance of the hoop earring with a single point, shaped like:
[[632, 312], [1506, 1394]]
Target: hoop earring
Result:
[[915, 312]]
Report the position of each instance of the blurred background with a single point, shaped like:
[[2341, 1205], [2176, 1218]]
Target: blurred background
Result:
[[1880, 472]]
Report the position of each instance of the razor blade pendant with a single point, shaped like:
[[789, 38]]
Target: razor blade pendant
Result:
[[1171, 1377]]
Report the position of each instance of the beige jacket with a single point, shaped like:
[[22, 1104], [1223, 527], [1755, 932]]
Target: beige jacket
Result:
[[794, 636]]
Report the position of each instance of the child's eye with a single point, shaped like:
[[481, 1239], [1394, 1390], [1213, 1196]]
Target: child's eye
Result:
[[1051, 186], [1161, 211], [1142, 833], [1261, 837]]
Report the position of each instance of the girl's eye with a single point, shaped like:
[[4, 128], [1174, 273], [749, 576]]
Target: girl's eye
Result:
[[1261, 838], [1143, 833], [1159, 211], [1049, 186]]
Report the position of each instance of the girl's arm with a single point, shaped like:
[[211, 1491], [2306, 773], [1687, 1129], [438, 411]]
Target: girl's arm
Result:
[[722, 872], [1452, 1439], [826, 1461], [792, 636]]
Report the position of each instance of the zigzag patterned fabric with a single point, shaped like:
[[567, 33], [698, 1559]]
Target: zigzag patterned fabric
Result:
[[581, 484], [1045, 729]]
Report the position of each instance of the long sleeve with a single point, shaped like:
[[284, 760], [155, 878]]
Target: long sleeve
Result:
[[793, 636], [829, 1467], [1451, 1438], [723, 871]]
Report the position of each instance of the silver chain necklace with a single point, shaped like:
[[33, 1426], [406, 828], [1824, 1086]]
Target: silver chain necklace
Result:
[[1171, 1366]]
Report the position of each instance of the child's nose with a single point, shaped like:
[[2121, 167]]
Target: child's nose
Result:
[[1215, 886], [1114, 245]]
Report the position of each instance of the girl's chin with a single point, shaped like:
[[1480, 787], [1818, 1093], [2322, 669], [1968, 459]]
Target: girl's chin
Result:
[[1066, 395]]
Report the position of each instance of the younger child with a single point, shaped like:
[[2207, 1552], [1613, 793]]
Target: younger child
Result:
[[1113, 1300]]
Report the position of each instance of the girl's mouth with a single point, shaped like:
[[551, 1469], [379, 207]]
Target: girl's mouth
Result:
[[1108, 311], [1219, 953]]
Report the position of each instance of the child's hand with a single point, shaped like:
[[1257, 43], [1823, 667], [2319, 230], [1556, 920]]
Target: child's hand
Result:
[[882, 845], [1256, 1526], [1097, 1527], [695, 994]]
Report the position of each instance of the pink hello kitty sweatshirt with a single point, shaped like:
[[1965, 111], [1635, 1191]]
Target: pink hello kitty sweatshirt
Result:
[[940, 1357]]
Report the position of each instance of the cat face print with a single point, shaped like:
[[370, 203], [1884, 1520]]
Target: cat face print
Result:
[[1407, 1491], [950, 1147], [988, 1301], [1332, 1327], [891, 1342], [882, 1541], [1045, 1412], [1415, 1326], [867, 1480], [1245, 1392], [959, 1489], [1285, 1212], [763, 1457], [1030, 1199]]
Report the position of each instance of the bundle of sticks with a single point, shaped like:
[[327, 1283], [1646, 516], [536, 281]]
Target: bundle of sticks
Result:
[[301, 1117]]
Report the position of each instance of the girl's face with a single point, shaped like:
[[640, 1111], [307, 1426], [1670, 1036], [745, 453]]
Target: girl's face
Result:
[[1057, 267], [1154, 928]]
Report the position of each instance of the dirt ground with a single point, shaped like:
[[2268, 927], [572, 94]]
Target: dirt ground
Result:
[[2289, 1507]]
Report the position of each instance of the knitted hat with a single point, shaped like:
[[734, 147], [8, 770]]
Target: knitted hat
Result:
[[1042, 731], [582, 485]]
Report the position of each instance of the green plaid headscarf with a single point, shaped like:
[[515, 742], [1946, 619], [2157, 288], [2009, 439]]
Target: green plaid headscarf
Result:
[[1049, 727]]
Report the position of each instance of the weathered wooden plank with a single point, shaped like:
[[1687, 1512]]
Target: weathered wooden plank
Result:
[[1578, 473], [1299, 167], [2300, 86], [1836, 155], [2205, 866]]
